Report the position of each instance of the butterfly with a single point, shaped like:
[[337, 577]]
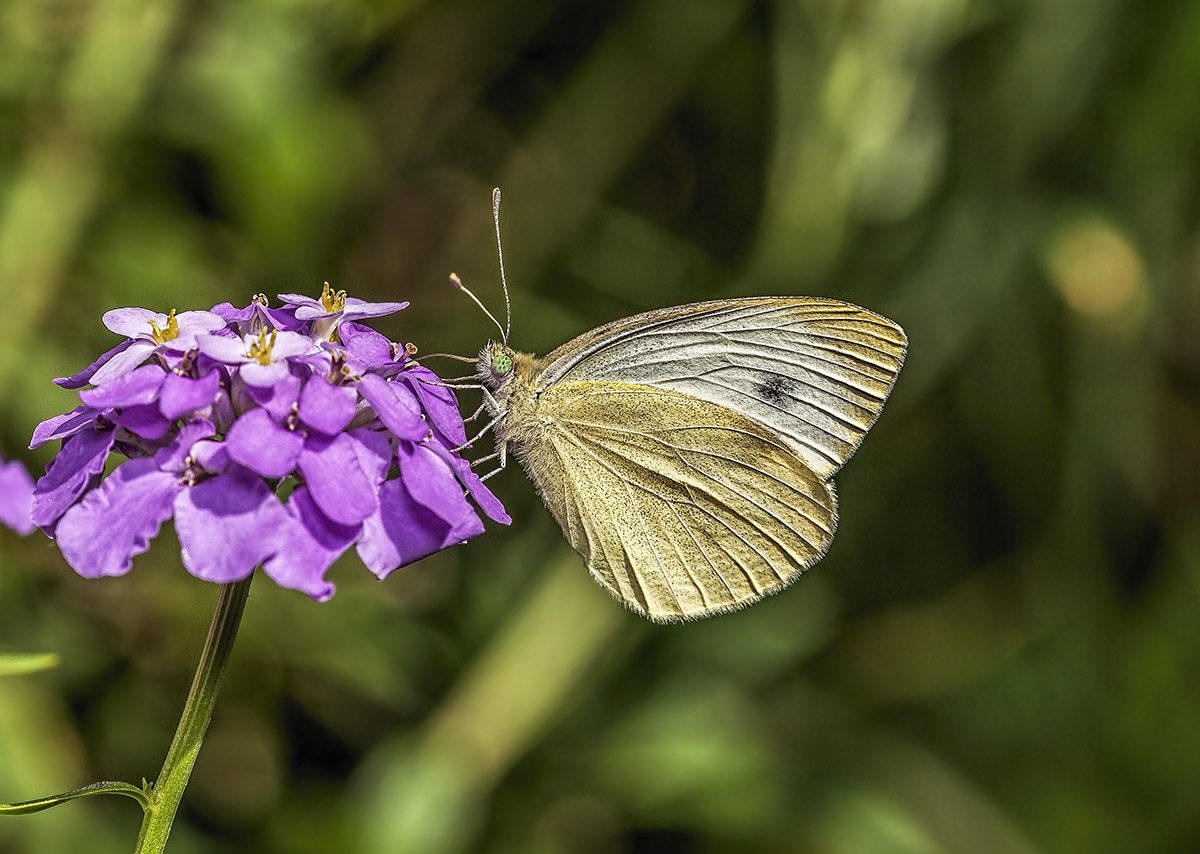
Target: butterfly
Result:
[[688, 453]]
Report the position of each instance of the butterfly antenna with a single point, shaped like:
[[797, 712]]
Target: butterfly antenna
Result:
[[458, 283], [459, 358], [500, 252]]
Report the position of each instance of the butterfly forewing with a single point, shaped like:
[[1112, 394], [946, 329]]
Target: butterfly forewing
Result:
[[815, 371], [681, 507]]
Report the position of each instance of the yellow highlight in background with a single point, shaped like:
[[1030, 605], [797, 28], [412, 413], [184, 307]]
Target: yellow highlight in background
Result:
[[1098, 271]]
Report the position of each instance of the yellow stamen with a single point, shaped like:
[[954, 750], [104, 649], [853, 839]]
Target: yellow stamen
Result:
[[261, 349], [332, 300], [162, 336]]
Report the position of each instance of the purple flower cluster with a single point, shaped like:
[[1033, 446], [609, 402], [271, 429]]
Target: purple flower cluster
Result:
[[217, 410]]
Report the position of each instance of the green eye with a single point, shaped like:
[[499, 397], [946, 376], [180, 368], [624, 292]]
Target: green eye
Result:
[[502, 364]]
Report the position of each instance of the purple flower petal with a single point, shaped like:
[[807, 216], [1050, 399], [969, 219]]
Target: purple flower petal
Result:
[[231, 313], [193, 324], [291, 344], [326, 314], [222, 412], [61, 426], [438, 401], [308, 308], [211, 456], [80, 459], [340, 487], [317, 542], [84, 377], [118, 519], [229, 524], [135, 388], [404, 531], [301, 300], [263, 446], [16, 497], [483, 496], [361, 308], [257, 316], [132, 323], [284, 319], [228, 351], [135, 323], [123, 362], [319, 362], [431, 482], [182, 395], [263, 376], [374, 454], [173, 457], [396, 406], [282, 344], [144, 421], [365, 346], [326, 407], [278, 398]]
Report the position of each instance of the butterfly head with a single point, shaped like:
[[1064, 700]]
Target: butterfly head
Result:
[[496, 363]]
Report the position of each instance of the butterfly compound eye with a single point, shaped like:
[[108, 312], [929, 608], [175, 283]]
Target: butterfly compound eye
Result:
[[502, 364]]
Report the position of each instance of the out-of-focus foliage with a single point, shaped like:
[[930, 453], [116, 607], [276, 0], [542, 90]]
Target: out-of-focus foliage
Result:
[[999, 654]]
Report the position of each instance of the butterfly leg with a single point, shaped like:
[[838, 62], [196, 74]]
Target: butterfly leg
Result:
[[502, 453], [490, 403], [490, 456], [478, 435], [476, 413]]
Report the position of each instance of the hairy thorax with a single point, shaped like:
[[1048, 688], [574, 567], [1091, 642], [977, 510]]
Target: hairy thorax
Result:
[[514, 392]]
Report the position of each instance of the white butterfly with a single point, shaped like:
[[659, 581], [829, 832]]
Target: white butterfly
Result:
[[688, 452]]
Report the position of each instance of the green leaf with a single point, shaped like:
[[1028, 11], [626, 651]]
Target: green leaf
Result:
[[102, 788], [15, 665]]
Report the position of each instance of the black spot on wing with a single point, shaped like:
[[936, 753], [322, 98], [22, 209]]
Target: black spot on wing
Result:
[[775, 390]]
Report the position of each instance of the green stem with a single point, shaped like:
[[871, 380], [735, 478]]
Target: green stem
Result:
[[167, 791]]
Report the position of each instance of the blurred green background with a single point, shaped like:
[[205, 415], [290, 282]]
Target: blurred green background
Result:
[[1000, 652]]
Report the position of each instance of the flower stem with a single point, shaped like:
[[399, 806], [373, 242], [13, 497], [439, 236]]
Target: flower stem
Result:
[[167, 791]]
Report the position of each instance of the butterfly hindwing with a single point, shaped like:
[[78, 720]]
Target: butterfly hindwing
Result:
[[680, 507]]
